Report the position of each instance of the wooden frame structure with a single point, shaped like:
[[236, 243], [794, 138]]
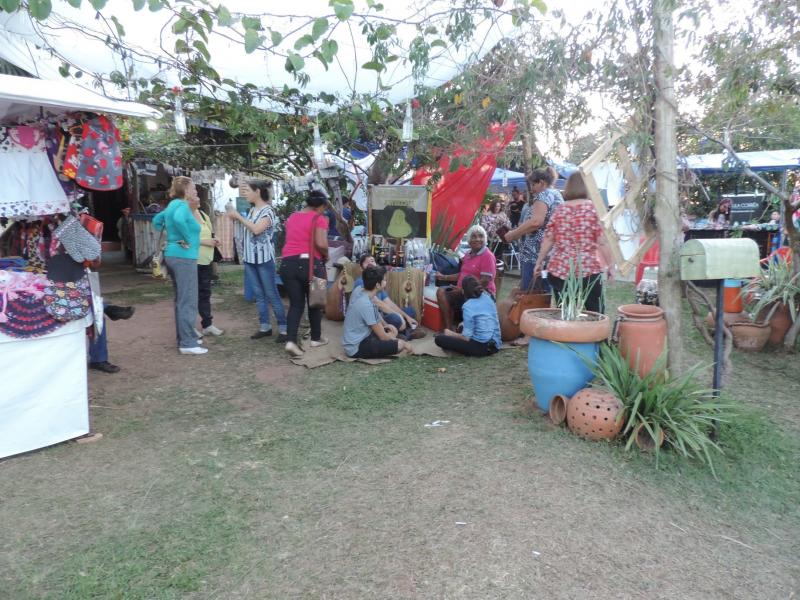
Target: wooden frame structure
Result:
[[634, 186]]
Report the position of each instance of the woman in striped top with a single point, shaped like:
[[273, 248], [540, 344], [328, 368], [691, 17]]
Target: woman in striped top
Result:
[[259, 256]]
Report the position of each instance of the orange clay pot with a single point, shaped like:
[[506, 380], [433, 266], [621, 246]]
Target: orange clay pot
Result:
[[644, 441], [546, 324], [592, 414], [779, 323], [642, 333], [728, 318], [508, 331], [558, 409], [751, 337]]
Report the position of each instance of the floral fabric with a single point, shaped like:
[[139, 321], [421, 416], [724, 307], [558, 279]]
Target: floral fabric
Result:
[[531, 242], [576, 231]]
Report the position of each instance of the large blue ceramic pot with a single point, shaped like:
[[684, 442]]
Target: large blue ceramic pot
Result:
[[556, 350]]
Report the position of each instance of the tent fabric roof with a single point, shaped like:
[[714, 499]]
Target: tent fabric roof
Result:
[[22, 96], [764, 160]]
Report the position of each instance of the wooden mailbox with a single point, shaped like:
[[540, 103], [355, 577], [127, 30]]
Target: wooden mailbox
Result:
[[719, 259]]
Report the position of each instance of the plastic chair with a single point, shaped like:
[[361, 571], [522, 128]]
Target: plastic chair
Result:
[[510, 256], [650, 259], [784, 253]]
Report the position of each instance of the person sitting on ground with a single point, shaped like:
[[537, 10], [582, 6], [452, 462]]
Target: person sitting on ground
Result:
[[480, 335], [478, 262], [402, 319], [364, 335]]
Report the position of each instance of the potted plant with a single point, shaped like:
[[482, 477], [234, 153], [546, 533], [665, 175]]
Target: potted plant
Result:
[[559, 338], [772, 298], [661, 409]]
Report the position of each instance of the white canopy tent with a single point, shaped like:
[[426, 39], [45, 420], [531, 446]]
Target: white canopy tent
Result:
[[22, 97], [78, 37]]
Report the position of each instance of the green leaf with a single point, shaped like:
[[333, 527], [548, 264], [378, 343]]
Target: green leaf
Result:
[[201, 47], [329, 48], [374, 65], [181, 46], [224, 17], [318, 55], [96, 4], [180, 26], [431, 31], [63, 70], [438, 43], [207, 21], [119, 27], [303, 41], [320, 27], [252, 40], [276, 36], [539, 5], [251, 23], [40, 9], [138, 4], [75, 3], [9, 6], [294, 63], [154, 5], [384, 32], [342, 8]]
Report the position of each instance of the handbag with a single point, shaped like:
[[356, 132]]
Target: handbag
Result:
[[317, 286], [158, 259], [67, 300], [527, 300]]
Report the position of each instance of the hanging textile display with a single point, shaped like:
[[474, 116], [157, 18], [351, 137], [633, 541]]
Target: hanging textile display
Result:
[[100, 166], [30, 187], [457, 195]]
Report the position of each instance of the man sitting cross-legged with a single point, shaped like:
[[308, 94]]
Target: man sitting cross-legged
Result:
[[365, 336]]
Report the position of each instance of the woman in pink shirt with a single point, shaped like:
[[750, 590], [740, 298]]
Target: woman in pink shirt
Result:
[[306, 232], [478, 262]]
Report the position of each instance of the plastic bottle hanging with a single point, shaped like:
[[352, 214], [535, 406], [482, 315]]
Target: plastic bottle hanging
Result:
[[319, 154], [408, 124], [180, 118]]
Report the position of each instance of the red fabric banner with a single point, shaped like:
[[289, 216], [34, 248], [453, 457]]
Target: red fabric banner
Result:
[[458, 195]]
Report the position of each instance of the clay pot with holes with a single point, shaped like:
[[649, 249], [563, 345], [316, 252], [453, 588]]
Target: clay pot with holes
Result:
[[592, 413]]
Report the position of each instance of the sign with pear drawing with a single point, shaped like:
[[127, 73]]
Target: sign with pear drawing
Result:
[[399, 211]]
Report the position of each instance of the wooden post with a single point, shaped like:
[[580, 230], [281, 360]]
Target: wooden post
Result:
[[667, 211]]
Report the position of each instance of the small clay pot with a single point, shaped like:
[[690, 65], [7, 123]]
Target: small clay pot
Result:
[[592, 414], [508, 330], [558, 409], [779, 323], [643, 439], [751, 337], [728, 318]]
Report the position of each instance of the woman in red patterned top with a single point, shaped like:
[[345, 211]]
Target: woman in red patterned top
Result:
[[575, 236]]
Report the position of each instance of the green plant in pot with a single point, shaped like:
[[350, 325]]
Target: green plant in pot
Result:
[[559, 338], [773, 298], [660, 408]]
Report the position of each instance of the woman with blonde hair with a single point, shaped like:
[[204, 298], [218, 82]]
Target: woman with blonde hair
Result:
[[180, 256], [575, 234]]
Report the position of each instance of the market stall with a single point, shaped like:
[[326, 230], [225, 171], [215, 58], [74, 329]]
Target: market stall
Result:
[[52, 150]]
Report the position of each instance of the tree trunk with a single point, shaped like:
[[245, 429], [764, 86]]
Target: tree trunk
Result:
[[667, 210]]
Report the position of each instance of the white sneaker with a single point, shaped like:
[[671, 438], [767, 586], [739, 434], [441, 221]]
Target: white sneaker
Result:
[[293, 349], [318, 343], [195, 350], [212, 330]]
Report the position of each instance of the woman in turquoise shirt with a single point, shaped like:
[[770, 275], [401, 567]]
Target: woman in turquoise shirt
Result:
[[180, 256]]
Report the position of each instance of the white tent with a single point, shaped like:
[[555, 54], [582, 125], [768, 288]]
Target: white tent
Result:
[[22, 97], [78, 37]]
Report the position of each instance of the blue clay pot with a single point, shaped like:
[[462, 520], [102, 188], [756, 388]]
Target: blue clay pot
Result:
[[557, 368]]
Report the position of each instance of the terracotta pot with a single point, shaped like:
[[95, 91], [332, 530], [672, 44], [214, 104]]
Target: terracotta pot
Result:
[[779, 323], [508, 330], [546, 324], [335, 298], [558, 408], [728, 318], [592, 414], [643, 439], [751, 337], [642, 333]]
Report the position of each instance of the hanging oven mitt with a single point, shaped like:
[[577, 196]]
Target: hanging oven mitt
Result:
[[79, 243]]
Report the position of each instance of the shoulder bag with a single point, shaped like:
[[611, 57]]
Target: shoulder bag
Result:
[[527, 300], [317, 286]]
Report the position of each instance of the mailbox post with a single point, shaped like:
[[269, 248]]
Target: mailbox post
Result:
[[718, 260]]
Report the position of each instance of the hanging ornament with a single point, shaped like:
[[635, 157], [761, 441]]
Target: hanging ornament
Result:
[[408, 124], [505, 178], [180, 118], [319, 153], [486, 102]]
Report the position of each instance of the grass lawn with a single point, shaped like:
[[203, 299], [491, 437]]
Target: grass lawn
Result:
[[239, 475]]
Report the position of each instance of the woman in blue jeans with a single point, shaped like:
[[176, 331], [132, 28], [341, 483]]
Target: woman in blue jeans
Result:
[[180, 256], [259, 256]]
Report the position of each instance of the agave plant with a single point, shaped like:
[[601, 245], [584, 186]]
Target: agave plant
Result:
[[676, 406], [777, 284], [573, 295]]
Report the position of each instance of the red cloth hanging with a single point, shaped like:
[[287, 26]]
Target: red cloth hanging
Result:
[[458, 195]]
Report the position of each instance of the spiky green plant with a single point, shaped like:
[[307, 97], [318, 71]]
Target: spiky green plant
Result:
[[572, 299]]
